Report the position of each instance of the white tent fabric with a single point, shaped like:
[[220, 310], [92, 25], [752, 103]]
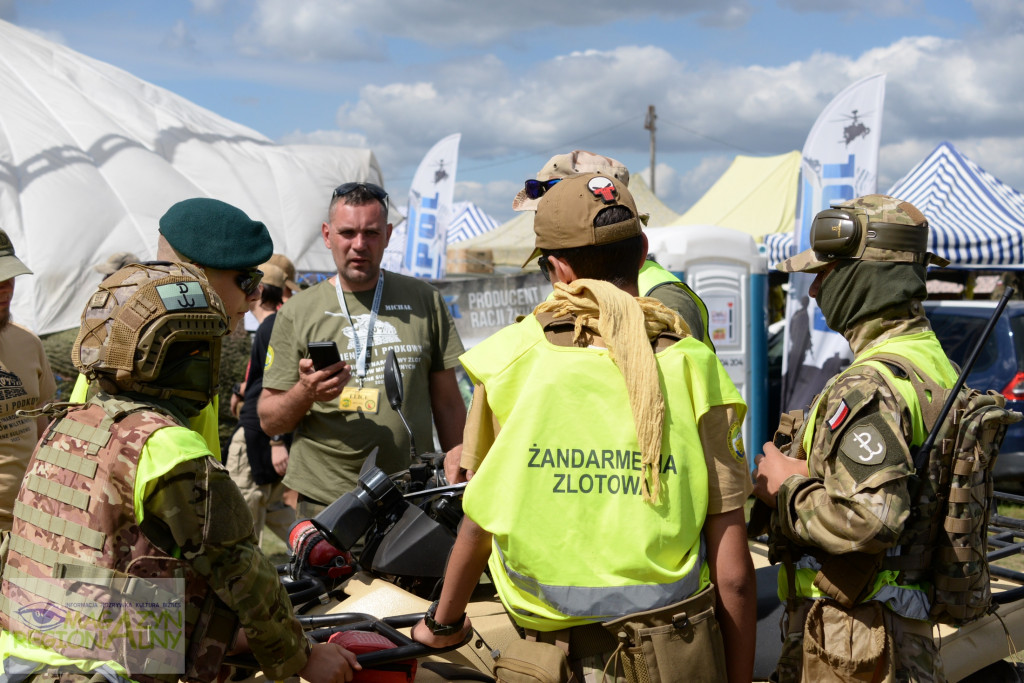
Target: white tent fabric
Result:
[[977, 220], [91, 157], [469, 221]]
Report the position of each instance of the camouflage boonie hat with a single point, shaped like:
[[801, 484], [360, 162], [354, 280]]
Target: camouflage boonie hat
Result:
[[575, 162], [874, 227], [138, 313]]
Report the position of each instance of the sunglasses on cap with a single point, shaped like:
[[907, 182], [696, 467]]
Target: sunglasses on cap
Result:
[[375, 191], [535, 189], [249, 280]]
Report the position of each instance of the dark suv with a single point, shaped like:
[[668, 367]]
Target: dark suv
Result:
[[1000, 364]]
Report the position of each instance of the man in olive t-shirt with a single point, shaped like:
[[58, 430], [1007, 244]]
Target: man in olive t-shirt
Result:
[[339, 414]]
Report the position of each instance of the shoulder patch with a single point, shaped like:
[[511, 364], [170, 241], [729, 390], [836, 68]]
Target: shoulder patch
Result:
[[839, 416], [736, 441], [269, 360], [869, 444]]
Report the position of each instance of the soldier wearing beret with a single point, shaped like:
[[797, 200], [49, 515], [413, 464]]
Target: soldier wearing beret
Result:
[[841, 495], [132, 555], [228, 246]]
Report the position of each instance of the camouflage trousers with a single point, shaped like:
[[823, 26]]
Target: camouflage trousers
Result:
[[910, 649], [265, 501]]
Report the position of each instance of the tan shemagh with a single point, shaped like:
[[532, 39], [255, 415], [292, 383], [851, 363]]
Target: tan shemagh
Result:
[[627, 325]]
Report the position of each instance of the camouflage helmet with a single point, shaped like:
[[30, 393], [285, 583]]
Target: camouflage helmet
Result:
[[135, 318], [874, 227]]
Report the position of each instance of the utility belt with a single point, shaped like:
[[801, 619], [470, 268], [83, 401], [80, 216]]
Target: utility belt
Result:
[[647, 647]]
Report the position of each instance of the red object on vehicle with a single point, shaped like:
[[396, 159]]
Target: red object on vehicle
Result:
[[1014, 391], [361, 642]]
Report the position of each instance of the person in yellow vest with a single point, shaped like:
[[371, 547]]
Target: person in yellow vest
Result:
[[228, 246], [132, 554], [654, 281], [841, 495], [610, 503]]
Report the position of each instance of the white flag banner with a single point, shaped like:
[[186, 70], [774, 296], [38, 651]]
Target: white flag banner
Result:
[[840, 162], [418, 246]]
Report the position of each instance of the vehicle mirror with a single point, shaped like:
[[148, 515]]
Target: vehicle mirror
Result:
[[393, 380]]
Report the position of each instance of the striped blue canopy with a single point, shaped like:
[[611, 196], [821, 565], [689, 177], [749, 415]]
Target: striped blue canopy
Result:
[[976, 220], [469, 221], [777, 247]]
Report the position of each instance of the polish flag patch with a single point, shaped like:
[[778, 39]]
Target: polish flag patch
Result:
[[839, 416]]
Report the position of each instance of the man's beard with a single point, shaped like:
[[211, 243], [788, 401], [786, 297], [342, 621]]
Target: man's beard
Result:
[[4, 320]]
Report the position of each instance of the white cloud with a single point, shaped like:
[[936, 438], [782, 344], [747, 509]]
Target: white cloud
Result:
[[180, 39], [356, 29], [937, 89]]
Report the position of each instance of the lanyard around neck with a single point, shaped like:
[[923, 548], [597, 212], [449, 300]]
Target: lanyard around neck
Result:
[[362, 357]]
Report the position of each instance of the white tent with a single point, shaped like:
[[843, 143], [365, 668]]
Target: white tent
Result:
[[91, 157]]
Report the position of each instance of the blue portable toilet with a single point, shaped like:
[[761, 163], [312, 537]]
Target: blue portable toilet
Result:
[[726, 269]]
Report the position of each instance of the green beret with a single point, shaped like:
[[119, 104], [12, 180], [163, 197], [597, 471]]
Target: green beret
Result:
[[215, 234]]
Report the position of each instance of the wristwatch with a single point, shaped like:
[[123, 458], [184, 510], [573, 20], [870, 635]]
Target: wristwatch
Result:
[[277, 438], [442, 629]]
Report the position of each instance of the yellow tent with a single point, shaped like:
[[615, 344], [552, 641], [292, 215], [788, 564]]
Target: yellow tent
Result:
[[756, 195]]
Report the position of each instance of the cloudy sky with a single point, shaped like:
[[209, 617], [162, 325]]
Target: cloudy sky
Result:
[[526, 79]]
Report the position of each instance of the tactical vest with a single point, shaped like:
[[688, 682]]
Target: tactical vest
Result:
[[652, 276], [855, 577], [574, 541], [78, 557]]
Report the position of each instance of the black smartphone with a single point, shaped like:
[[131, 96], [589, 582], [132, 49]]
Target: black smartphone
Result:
[[323, 353]]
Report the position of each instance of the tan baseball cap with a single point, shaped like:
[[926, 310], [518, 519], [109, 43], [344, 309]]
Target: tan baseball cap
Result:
[[575, 162], [272, 275], [286, 265], [566, 213], [10, 265]]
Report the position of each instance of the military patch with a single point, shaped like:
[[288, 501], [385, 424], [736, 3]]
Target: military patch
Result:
[[181, 296], [736, 442], [869, 444], [269, 360], [839, 416]]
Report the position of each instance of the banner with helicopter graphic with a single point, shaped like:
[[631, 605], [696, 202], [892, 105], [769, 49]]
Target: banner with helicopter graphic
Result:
[[418, 245], [840, 162]]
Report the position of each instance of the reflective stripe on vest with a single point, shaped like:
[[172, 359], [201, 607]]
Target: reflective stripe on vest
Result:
[[590, 602], [558, 485], [923, 349]]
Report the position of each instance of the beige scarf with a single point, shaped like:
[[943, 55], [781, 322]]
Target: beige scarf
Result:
[[627, 325]]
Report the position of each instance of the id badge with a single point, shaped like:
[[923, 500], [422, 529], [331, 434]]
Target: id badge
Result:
[[354, 399]]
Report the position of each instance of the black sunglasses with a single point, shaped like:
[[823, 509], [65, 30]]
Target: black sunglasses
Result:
[[535, 189], [249, 280], [375, 191], [544, 264]]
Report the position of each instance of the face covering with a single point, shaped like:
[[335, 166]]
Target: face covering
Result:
[[855, 290]]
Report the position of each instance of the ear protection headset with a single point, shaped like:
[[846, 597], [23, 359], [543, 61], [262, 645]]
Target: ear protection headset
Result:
[[845, 233]]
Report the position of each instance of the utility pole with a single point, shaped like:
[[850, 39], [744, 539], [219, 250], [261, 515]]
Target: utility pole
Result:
[[649, 125]]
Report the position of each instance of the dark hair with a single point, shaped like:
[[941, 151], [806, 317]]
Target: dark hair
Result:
[[357, 197], [272, 294], [615, 262]]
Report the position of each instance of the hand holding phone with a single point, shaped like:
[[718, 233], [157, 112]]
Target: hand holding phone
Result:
[[323, 354]]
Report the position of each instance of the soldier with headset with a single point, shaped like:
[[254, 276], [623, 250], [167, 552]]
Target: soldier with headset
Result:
[[841, 493], [124, 512]]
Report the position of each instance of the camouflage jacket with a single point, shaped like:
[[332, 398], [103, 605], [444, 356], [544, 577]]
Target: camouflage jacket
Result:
[[855, 497], [76, 521]]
